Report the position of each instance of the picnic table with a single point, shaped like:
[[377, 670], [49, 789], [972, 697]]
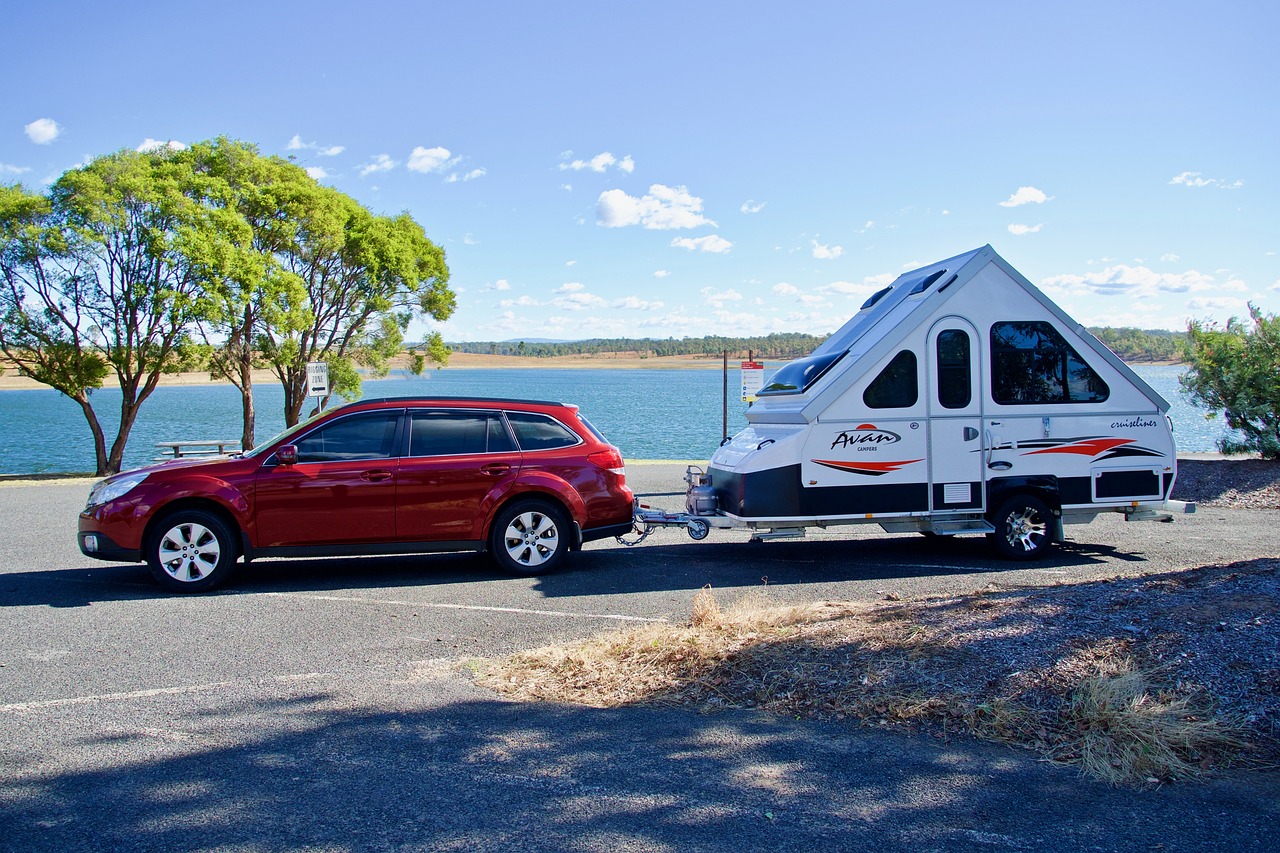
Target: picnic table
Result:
[[182, 449]]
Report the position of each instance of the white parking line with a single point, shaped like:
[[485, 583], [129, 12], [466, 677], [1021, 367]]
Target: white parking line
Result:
[[616, 617], [146, 694]]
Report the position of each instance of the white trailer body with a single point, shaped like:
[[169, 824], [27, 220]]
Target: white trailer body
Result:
[[960, 399]]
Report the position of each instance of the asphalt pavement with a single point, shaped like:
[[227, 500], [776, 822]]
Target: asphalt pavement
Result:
[[324, 705]]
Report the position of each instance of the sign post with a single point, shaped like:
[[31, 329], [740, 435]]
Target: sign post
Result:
[[318, 381], [752, 380]]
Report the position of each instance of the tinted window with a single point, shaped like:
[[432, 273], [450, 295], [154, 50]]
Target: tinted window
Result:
[[356, 437], [540, 432], [457, 433], [955, 385], [1031, 363], [800, 374], [897, 386]]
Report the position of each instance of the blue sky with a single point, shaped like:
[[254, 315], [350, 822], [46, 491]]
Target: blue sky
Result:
[[738, 168]]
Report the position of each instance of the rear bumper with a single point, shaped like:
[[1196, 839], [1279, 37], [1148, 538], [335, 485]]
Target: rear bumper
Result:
[[607, 532]]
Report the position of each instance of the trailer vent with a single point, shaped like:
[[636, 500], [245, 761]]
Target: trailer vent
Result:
[[957, 493]]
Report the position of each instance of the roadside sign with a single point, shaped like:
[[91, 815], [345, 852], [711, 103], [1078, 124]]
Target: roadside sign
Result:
[[317, 379], [752, 380]]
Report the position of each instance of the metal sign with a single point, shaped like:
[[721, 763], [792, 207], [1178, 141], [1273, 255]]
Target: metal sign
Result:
[[317, 379], [752, 380]]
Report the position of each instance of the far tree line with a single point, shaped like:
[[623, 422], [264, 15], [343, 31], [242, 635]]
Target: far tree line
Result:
[[1135, 345], [210, 257]]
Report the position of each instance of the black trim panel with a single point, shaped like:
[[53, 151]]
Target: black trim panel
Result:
[[1127, 484], [939, 493], [362, 549], [778, 493], [108, 550], [606, 532]]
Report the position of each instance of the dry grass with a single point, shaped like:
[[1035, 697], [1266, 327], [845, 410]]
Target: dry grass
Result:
[[930, 666]]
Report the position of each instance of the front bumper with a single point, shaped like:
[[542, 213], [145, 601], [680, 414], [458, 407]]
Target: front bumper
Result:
[[100, 547]]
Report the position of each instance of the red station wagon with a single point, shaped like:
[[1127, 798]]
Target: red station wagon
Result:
[[527, 481]]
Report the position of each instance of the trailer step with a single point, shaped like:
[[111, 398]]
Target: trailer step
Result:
[[780, 533], [968, 525]]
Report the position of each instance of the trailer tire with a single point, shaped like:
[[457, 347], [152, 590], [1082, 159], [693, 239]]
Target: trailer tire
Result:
[[1023, 528]]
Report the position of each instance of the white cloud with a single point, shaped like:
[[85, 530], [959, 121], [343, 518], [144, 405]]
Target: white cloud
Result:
[[1219, 307], [379, 163], [296, 144], [782, 288], [570, 287], [826, 253], [712, 243], [500, 284], [718, 298], [6, 169], [1024, 229], [663, 208], [661, 273], [752, 206], [522, 301], [600, 163], [1026, 195], [149, 145], [429, 159], [1131, 282], [1195, 179], [871, 223], [1275, 286], [42, 131], [810, 299], [1170, 257], [317, 172], [635, 303], [578, 301], [854, 290]]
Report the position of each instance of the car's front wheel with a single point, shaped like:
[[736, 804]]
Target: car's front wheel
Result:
[[529, 538], [191, 551]]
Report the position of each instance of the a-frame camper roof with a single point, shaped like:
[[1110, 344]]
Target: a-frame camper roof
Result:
[[886, 318]]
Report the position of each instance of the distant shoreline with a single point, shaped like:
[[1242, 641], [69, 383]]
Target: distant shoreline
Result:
[[11, 381]]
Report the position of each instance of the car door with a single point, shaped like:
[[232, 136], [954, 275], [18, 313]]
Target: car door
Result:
[[459, 462], [342, 489]]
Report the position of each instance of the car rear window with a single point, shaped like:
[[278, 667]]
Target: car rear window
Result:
[[541, 432], [457, 433]]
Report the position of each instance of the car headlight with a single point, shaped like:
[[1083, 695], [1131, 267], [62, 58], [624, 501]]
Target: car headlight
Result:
[[112, 489]]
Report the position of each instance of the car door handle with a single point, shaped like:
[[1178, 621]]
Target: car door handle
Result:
[[495, 469], [376, 476]]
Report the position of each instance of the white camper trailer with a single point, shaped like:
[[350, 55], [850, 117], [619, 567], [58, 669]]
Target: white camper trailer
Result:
[[959, 399]]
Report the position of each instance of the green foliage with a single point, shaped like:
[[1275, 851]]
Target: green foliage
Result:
[[776, 346], [1136, 345], [1235, 369]]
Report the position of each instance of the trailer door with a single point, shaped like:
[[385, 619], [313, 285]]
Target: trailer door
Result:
[[954, 372]]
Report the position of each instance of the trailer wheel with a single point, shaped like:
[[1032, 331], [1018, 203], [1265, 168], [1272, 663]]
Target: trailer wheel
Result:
[[1023, 528]]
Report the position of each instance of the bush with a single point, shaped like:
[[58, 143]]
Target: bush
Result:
[[1236, 369]]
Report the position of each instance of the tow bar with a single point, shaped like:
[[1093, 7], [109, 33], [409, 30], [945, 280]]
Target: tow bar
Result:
[[647, 519]]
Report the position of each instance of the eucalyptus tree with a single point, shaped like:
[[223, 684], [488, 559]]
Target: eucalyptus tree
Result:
[[364, 278], [104, 275], [257, 294]]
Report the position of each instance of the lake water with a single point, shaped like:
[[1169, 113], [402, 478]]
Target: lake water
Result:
[[649, 414]]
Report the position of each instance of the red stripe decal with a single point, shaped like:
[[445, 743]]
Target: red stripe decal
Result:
[[873, 468], [1090, 447]]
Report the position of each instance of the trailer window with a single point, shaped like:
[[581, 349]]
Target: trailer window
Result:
[[1031, 364], [955, 385], [897, 386], [797, 376]]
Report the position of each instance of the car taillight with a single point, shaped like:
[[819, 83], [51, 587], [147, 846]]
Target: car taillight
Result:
[[610, 460]]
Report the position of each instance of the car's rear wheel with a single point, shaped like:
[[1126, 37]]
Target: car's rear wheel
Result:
[[529, 538], [191, 551]]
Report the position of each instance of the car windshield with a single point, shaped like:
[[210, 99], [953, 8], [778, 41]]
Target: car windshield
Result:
[[276, 439]]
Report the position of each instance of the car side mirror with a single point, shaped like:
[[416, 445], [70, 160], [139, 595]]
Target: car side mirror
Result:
[[287, 454]]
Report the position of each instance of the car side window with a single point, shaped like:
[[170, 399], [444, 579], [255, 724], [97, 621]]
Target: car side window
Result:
[[365, 436], [458, 433], [540, 432]]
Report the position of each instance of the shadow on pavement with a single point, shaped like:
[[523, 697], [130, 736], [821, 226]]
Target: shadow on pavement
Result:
[[488, 775]]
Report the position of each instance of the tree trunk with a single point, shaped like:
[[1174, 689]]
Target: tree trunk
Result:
[[99, 440], [246, 400]]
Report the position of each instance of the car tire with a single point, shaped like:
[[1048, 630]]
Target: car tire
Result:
[[191, 550], [1023, 528], [529, 538]]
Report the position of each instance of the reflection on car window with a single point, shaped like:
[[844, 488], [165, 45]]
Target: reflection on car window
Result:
[[457, 433], [1032, 364], [539, 432], [356, 437]]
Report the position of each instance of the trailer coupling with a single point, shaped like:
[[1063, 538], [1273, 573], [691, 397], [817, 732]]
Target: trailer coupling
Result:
[[647, 519]]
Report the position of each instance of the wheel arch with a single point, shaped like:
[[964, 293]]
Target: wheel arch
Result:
[[1043, 486], [553, 499], [161, 515]]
